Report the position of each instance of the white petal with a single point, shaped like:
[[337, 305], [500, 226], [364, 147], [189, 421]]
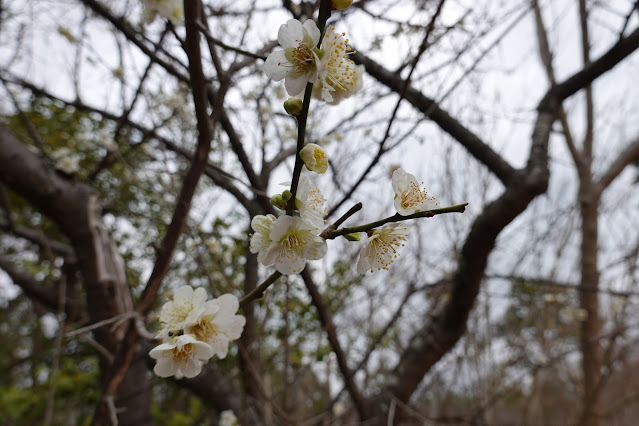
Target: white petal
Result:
[[159, 351], [290, 34], [228, 304], [400, 209], [316, 250], [165, 367], [192, 368], [231, 327], [261, 223], [277, 66], [364, 264], [280, 227], [400, 180], [292, 264], [183, 293], [313, 31], [270, 256], [202, 350], [199, 296], [295, 85]]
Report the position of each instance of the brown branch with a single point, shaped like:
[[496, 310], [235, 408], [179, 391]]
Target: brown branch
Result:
[[165, 253], [478, 148], [329, 327], [629, 155], [443, 330], [34, 289], [134, 36], [381, 148]]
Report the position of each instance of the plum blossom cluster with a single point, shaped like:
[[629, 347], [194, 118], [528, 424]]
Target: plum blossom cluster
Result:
[[383, 244], [301, 61], [195, 329], [289, 241]]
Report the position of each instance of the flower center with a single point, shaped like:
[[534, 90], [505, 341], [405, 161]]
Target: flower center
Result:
[[340, 71], [385, 247], [301, 57], [414, 196], [176, 312], [294, 240], [183, 354], [204, 331]]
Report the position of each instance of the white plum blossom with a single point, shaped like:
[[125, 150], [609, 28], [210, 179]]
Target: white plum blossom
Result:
[[293, 242], [228, 418], [314, 158], [193, 330], [183, 310], [261, 239], [312, 205], [173, 10], [339, 77], [409, 197], [183, 356], [381, 247], [298, 62], [66, 160], [217, 325]]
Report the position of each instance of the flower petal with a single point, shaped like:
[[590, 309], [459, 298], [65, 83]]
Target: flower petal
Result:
[[295, 84], [276, 66], [290, 34], [313, 31], [165, 367]]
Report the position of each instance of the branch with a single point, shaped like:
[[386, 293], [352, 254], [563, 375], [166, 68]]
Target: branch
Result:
[[459, 208], [133, 35], [443, 330], [478, 148], [629, 155], [35, 290], [169, 242], [329, 327]]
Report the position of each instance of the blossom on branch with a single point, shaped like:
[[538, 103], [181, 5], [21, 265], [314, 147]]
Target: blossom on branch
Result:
[[312, 204], [261, 239], [183, 310], [298, 62], [409, 197], [193, 330], [314, 158], [217, 325], [173, 10], [293, 242], [381, 247], [339, 77], [66, 160], [183, 356]]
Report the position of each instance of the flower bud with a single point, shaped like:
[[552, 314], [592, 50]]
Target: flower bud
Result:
[[278, 201], [287, 195], [341, 4], [293, 106], [314, 158], [354, 236]]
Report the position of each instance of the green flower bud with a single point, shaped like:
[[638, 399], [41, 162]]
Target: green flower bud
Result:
[[287, 195], [355, 236], [293, 106], [278, 201]]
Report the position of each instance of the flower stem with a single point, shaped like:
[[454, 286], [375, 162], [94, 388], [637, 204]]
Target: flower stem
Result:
[[324, 14], [459, 208], [259, 290]]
